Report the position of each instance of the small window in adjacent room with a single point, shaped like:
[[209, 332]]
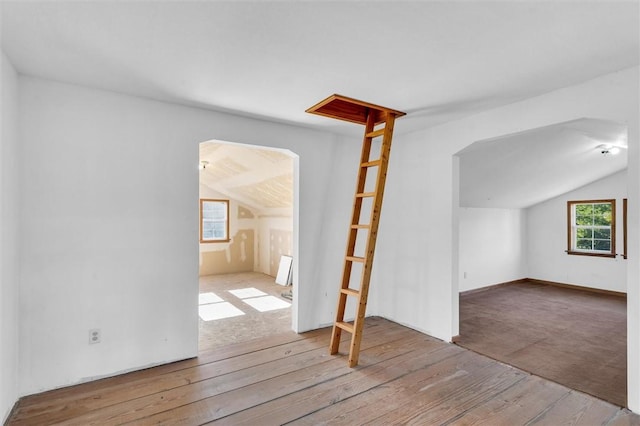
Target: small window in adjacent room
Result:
[[214, 221], [591, 227]]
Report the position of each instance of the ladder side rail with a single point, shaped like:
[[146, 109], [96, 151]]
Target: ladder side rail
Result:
[[353, 233], [376, 209]]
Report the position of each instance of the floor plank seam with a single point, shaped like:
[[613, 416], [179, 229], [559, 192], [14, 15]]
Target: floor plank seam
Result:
[[197, 366], [328, 359], [361, 376], [381, 384], [549, 407], [482, 402]]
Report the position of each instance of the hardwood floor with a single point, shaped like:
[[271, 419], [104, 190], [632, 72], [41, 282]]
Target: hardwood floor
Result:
[[574, 337], [404, 377]]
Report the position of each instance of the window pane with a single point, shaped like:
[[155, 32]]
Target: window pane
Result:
[[602, 214], [584, 233], [214, 210], [602, 220], [604, 245], [601, 209], [584, 220], [208, 231], [603, 234], [218, 229], [583, 244], [584, 209]]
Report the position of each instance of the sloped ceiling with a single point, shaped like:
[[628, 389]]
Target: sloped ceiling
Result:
[[520, 170], [259, 178]]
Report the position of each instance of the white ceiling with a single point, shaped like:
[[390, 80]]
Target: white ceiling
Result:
[[520, 170], [435, 60]]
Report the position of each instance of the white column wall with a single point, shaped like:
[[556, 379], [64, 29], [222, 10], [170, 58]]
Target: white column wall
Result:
[[110, 241], [9, 238], [633, 263], [418, 247]]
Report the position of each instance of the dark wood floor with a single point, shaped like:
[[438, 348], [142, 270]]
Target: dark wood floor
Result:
[[404, 377], [573, 337]]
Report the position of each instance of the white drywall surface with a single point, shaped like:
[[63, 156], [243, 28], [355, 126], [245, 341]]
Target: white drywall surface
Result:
[[492, 246], [547, 240], [110, 241], [9, 238]]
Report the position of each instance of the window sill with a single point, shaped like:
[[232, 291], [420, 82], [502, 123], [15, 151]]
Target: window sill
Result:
[[214, 241], [582, 253]]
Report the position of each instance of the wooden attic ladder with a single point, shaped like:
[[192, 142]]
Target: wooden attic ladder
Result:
[[371, 116]]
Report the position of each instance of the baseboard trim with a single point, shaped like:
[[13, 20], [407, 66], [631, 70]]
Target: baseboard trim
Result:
[[491, 287], [544, 282], [578, 287]]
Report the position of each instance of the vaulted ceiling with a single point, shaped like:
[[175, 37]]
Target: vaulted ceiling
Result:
[[436, 60], [259, 178], [520, 170]]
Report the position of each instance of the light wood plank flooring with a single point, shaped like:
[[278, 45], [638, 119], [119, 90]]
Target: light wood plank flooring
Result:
[[404, 377]]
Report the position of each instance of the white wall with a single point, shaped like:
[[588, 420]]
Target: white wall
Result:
[[412, 271], [110, 208], [416, 266], [114, 169], [9, 238], [501, 245], [492, 246], [547, 240]]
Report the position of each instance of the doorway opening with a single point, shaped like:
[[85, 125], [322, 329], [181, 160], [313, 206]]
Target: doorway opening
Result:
[[247, 235], [513, 261]]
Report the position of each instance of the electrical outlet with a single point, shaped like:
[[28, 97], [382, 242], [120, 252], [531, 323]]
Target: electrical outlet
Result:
[[94, 336]]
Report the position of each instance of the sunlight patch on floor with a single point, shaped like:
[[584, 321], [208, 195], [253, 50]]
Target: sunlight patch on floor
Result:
[[204, 298], [216, 311], [266, 303], [243, 293]]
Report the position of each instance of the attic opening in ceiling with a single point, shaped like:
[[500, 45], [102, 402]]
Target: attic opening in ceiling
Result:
[[512, 193], [254, 188]]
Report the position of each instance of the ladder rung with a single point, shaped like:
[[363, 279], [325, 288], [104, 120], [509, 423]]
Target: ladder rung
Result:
[[350, 292], [345, 326], [360, 226], [365, 194], [376, 133], [355, 259], [373, 163]]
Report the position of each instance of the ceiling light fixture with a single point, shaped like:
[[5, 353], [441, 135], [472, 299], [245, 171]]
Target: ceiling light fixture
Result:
[[203, 164], [608, 149]]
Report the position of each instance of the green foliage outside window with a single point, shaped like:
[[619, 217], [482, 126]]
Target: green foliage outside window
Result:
[[591, 227]]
